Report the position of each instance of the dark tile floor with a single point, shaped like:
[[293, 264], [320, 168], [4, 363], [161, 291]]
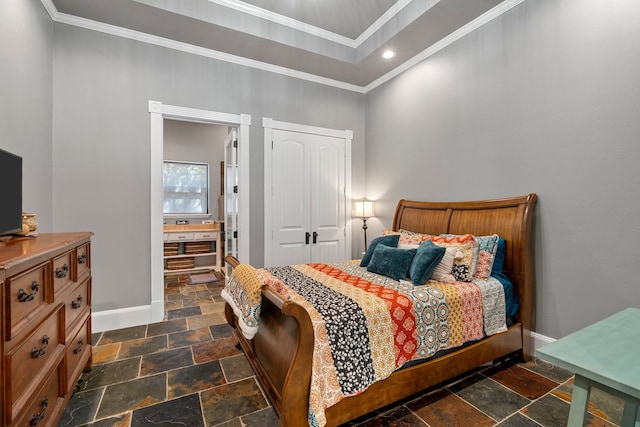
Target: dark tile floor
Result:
[[186, 370]]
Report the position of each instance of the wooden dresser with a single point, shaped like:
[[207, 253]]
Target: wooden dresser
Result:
[[45, 302]]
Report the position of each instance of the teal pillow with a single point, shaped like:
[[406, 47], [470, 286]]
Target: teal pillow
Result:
[[391, 262], [390, 240], [428, 256], [498, 262]]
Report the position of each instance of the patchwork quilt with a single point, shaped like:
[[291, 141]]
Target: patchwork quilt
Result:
[[368, 325]]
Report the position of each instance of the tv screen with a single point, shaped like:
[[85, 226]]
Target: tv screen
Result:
[[10, 193]]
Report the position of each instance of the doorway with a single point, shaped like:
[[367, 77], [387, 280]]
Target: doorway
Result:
[[158, 113]]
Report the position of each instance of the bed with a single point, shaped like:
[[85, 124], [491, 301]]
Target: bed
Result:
[[281, 351]]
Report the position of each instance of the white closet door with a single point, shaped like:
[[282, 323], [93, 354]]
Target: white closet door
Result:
[[308, 201], [291, 220], [327, 199]]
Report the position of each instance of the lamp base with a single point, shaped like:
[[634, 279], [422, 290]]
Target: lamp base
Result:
[[364, 227]]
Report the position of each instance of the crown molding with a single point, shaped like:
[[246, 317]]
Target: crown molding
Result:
[[311, 29], [50, 8], [88, 24], [259, 12], [380, 22], [446, 41], [213, 54]]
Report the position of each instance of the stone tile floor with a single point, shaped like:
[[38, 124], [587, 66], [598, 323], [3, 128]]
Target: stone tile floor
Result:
[[187, 370]]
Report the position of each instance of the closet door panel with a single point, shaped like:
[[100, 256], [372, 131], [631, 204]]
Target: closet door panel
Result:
[[327, 199], [291, 199]]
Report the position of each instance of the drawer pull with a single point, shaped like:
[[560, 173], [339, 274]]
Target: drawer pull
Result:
[[62, 272], [77, 303], [35, 353], [78, 349], [82, 259], [35, 419], [25, 297]]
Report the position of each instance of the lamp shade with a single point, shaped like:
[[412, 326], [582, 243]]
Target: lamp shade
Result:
[[363, 209]]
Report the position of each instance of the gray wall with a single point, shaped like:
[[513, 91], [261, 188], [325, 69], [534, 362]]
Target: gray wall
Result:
[[102, 85], [26, 48], [544, 99]]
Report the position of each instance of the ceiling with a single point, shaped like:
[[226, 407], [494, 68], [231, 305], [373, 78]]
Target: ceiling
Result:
[[337, 42]]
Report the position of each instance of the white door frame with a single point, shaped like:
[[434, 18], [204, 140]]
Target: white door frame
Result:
[[158, 112], [269, 124], [230, 205]]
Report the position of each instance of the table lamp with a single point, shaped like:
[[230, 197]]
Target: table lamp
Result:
[[363, 209]]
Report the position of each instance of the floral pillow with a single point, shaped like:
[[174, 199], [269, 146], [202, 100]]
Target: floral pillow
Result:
[[488, 247], [407, 238]]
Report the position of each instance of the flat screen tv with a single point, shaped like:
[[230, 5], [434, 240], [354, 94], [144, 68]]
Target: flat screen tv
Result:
[[10, 193]]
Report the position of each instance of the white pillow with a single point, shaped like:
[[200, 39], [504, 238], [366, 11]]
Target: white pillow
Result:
[[406, 246], [442, 273]]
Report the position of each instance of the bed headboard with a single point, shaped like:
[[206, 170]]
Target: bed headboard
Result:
[[511, 219]]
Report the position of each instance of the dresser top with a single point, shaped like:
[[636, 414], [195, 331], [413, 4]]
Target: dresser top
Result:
[[28, 251]]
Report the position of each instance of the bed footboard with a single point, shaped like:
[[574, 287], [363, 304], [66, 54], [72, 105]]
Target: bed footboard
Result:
[[280, 354]]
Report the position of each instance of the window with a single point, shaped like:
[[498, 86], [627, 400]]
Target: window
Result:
[[186, 188]]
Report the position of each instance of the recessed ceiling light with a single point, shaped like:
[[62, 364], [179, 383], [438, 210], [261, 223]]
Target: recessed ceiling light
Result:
[[388, 54]]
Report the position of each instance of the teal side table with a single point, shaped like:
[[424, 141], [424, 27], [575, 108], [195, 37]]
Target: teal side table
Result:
[[606, 354]]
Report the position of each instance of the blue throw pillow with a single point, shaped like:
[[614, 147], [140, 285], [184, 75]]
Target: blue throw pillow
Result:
[[390, 240], [391, 262], [511, 300], [498, 262], [427, 258]]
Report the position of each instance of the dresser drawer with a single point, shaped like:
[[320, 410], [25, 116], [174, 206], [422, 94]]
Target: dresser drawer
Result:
[[34, 357], [83, 258], [63, 272], [78, 353], [27, 293], [205, 235], [47, 403], [179, 237], [77, 302]]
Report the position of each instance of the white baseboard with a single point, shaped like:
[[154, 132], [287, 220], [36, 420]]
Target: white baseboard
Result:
[[540, 340], [108, 320], [120, 318]]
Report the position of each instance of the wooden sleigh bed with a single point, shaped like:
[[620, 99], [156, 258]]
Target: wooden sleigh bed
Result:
[[281, 351]]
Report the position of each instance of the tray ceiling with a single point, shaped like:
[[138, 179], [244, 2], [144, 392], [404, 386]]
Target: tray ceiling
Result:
[[337, 41]]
